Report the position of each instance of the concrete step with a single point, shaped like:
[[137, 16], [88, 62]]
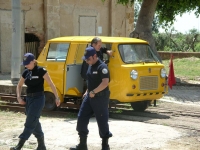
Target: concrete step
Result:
[[7, 87]]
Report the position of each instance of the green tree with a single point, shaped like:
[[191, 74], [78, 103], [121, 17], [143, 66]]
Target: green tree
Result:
[[166, 10], [172, 40]]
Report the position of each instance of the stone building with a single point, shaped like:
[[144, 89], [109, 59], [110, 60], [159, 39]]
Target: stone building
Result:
[[45, 19]]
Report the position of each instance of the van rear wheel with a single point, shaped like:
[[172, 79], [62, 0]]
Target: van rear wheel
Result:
[[140, 106], [49, 101]]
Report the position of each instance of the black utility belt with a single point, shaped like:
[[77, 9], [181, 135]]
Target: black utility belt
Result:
[[35, 94], [101, 93]]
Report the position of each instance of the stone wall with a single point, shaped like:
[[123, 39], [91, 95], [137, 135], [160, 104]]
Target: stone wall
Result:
[[31, 22], [48, 19], [167, 55], [63, 17]]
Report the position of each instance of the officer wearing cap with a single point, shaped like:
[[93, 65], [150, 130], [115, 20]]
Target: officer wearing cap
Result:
[[96, 99], [33, 76]]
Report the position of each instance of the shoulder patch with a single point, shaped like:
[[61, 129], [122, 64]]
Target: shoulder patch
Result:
[[104, 71]]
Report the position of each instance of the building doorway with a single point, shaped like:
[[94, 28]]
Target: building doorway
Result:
[[32, 44]]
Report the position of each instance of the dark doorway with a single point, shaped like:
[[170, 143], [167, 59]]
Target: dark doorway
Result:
[[32, 44]]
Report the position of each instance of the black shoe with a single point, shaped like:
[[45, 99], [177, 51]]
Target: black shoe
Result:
[[79, 147], [41, 145], [105, 145], [19, 145], [82, 145]]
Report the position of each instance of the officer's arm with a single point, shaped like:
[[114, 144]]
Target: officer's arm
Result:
[[102, 86], [19, 90], [106, 51], [51, 84]]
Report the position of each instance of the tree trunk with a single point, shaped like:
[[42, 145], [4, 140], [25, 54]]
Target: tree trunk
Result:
[[143, 29], [193, 42]]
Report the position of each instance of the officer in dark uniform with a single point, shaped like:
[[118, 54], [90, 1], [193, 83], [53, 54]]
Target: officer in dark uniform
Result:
[[33, 76], [96, 99], [97, 44]]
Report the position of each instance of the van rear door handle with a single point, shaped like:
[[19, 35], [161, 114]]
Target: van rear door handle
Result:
[[67, 68]]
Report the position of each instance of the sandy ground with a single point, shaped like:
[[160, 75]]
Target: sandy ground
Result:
[[60, 133]]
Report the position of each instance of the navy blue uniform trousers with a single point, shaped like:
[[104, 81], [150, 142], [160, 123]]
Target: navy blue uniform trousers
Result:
[[34, 106], [98, 106]]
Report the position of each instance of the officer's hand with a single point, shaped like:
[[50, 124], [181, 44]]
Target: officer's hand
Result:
[[21, 101], [57, 102], [110, 53], [92, 95]]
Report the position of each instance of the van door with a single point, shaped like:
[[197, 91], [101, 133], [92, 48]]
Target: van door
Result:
[[74, 81], [55, 62]]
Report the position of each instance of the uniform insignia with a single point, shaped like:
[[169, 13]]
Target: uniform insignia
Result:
[[35, 77], [105, 71], [94, 72], [25, 58]]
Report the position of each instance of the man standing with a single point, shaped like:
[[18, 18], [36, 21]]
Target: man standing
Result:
[[97, 44], [96, 99]]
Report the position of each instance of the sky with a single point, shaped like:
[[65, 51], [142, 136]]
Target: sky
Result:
[[186, 22]]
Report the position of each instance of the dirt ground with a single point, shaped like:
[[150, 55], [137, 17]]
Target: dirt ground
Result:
[[174, 131]]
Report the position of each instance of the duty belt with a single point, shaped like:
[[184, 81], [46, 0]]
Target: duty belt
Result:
[[35, 94], [102, 93]]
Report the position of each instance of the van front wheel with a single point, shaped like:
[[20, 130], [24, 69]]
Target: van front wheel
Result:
[[140, 106], [49, 101]]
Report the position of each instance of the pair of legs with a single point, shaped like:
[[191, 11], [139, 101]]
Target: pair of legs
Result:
[[98, 106], [34, 106]]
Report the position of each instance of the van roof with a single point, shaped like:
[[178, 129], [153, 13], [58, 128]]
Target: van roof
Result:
[[104, 39]]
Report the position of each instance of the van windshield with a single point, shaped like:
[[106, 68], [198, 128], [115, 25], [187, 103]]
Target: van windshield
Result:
[[134, 53]]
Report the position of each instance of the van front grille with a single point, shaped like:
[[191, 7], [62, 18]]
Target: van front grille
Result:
[[148, 83]]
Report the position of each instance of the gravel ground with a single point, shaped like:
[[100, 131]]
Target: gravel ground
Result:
[[60, 133], [177, 130]]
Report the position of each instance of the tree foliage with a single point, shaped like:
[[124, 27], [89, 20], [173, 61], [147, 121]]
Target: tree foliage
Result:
[[176, 41], [168, 9]]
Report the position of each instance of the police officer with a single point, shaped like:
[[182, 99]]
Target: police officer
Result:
[[96, 99], [97, 44], [33, 76]]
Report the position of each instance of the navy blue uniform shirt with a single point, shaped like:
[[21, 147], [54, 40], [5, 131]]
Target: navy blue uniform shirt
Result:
[[101, 51], [34, 79], [96, 73]]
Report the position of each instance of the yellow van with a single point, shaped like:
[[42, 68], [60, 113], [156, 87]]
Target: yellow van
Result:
[[136, 75]]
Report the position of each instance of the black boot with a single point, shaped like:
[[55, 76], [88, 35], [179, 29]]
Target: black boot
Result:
[[41, 145], [19, 145], [82, 145], [105, 145]]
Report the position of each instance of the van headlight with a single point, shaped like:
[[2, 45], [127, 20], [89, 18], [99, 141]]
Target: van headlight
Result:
[[163, 73], [134, 74]]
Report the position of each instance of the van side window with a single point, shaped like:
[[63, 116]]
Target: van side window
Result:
[[79, 53], [58, 52]]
